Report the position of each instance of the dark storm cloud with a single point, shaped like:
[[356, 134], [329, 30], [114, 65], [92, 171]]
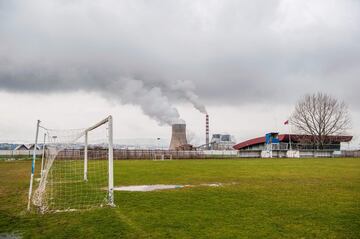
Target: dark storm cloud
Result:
[[227, 52]]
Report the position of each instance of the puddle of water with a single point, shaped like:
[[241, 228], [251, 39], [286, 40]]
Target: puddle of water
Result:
[[9, 236], [147, 188], [212, 184]]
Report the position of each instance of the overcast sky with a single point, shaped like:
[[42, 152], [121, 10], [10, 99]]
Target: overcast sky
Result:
[[149, 63]]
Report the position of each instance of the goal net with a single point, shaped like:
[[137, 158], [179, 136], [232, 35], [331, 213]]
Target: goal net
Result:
[[76, 169]]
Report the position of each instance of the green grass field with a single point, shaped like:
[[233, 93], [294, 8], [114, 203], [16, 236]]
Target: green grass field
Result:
[[268, 198]]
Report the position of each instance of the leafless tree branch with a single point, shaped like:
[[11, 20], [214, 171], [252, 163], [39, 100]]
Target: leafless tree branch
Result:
[[320, 115]]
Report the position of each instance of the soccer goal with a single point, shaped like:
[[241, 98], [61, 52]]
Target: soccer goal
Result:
[[162, 156], [76, 170]]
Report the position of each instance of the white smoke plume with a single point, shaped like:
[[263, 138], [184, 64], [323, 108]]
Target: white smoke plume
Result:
[[151, 100], [186, 90], [154, 100], [194, 99]]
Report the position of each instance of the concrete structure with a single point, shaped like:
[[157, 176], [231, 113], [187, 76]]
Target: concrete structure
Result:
[[178, 137]]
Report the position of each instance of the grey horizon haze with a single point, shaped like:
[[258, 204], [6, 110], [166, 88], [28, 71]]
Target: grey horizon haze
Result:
[[162, 56]]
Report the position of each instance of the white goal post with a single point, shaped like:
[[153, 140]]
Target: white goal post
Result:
[[60, 187], [33, 165], [110, 155]]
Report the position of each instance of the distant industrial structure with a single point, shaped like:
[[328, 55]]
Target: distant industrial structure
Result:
[[222, 142], [207, 131], [178, 138]]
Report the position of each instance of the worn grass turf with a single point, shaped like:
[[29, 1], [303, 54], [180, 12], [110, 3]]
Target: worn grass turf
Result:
[[272, 198]]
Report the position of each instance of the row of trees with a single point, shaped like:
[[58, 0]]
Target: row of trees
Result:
[[320, 115]]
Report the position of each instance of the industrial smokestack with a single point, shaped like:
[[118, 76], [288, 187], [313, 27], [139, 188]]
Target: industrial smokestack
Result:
[[207, 132], [178, 137]]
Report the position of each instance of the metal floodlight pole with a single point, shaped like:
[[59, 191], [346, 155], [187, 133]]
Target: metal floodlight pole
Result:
[[111, 162], [86, 156], [33, 165], [43, 156]]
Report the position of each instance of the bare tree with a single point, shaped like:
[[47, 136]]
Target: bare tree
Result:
[[320, 115]]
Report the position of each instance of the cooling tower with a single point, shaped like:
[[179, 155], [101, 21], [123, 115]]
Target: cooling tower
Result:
[[178, 137]]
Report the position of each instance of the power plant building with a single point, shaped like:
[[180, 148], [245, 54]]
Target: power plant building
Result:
[[222, 142]]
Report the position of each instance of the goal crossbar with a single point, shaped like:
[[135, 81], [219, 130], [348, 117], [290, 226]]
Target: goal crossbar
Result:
[[104, 121]]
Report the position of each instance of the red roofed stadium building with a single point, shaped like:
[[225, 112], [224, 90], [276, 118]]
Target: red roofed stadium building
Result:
[[281, 143]]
